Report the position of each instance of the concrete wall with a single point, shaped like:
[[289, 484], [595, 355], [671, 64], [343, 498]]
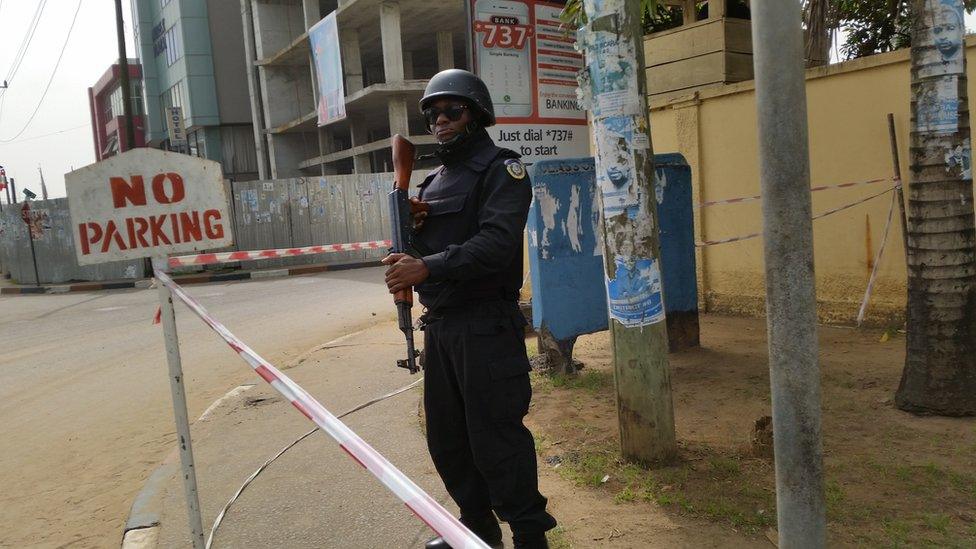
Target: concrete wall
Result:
[[283, 213], [715, 130], [54, 248]]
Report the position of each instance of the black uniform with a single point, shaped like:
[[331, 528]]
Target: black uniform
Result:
[[476, 371]]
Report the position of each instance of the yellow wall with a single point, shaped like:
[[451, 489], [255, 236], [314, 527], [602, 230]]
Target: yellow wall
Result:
[[848, 105]]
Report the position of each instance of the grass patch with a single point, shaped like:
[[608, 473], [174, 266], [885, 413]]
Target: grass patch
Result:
[[592, 381], [937, 522], [557, 539], [720, 488]]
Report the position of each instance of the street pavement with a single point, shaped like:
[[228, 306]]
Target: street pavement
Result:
[[85, 409], [314, 495]]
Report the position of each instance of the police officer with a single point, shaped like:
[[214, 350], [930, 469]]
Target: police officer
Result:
[[476, 386]]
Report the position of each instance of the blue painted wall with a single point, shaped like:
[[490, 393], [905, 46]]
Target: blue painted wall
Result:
[[676, 216], [565, 259]]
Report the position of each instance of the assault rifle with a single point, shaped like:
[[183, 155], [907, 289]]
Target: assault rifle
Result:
[[401, 220]]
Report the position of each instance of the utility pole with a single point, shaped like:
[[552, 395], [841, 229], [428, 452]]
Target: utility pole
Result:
[[791, 300], [613, 89], [130, 131], [43, 186]]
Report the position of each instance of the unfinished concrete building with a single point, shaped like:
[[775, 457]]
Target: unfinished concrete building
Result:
[[389, 51]]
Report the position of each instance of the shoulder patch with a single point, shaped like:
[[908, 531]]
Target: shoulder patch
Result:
[[515, 168]]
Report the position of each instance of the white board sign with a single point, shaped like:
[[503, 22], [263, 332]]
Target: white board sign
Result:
[[175, 126], [147, 203]]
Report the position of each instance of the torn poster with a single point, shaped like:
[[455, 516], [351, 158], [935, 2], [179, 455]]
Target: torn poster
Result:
[[938, 106], [635, 293], [613, 88], [617, 168]]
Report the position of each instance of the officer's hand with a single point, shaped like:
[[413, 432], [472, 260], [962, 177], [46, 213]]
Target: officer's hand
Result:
[[419, 210], [404, 271]]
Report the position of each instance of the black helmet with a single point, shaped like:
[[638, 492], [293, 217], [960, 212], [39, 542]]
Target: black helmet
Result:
[[463, 84]]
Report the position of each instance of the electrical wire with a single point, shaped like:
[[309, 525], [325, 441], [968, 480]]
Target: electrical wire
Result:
[[54, 73], [254, 475], [21, 52], [86, 125], [28, 38]]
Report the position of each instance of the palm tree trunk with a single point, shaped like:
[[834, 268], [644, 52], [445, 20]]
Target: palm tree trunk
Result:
[[940, 362], [818, 33]]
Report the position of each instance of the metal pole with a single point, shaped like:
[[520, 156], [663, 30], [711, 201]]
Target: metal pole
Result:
[[176, 385], [130, 130], [790, 289], [30, 238], [13, 189], [899, 190]]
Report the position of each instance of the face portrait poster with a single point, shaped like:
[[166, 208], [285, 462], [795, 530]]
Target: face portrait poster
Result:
[[529, 62], [946, 34], [324, 40], [617, 178]]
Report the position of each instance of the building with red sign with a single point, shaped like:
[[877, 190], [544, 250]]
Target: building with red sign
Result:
[[107, 113]]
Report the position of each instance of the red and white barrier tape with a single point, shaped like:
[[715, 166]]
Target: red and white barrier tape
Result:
[[229, 257], [418, 501], [813, 190], [818, 216]]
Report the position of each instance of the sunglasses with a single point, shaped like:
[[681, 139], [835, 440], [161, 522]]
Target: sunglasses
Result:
[[453, 113]]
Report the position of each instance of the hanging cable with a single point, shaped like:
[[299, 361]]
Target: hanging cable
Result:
[[254, 475], [53, 74], [43, 135], [21, 52]]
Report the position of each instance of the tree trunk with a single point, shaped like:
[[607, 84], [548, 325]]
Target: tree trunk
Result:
[[940, 362], [818, 33], [614, 91]]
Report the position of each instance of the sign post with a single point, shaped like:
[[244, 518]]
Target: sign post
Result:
[[151, 203], [25, 214], [178, 392]]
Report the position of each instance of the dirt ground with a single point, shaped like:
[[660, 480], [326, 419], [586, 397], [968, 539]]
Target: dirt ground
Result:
[[892, 479]]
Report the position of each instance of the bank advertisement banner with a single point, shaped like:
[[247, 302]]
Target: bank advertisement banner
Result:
[[529, 62], [324, 39]]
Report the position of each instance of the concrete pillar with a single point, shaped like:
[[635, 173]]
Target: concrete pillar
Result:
[[392, 42], [352, 64], [716, 9], [398, 117], [445, 50], [360, 136], [310, 9], [689, 12], [408, 65]]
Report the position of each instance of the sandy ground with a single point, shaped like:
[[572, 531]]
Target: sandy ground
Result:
[[84, 398], [892, 479]]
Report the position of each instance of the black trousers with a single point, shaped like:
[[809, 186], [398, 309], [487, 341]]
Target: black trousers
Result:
[[476, 392]]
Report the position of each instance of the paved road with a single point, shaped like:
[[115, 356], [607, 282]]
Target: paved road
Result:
[[85, 412]]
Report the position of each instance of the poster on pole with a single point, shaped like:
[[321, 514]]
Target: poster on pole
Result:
[[147, 203], [324, 39], [529, 62]]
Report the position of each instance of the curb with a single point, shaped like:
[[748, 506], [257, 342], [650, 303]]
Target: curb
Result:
[[141, 529], [185, 279]]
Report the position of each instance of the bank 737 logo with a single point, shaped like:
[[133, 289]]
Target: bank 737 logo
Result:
[[503, 32]]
